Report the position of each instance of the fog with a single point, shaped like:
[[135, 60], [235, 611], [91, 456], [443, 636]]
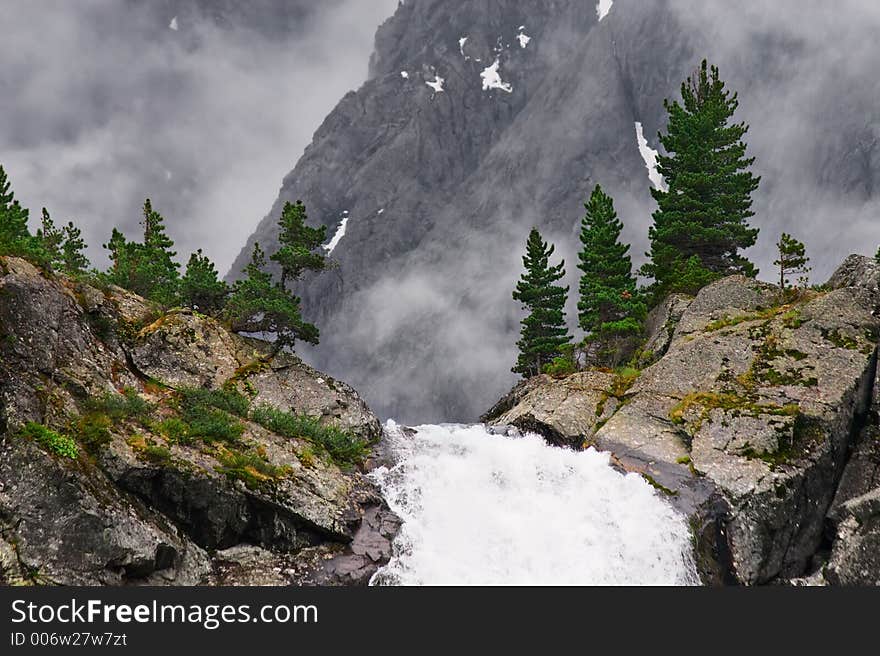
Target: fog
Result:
[[435, 337], [809, 89], [104, 105]]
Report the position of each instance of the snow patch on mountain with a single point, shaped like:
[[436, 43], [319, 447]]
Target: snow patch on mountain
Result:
[[603, 7], [436, 84], [650, 157], [340, 233], [173, 24], [461, 42], [404, 75], [523, 38], [492, 78]]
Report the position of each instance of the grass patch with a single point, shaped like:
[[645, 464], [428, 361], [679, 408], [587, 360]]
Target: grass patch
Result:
[[62, 446], [793, 319], [250, 467], [840, 340], [120, 407], [93, 430], [228, 400], [728, 321], [175, 430], [624, 379], [208, 414], [343, 447]]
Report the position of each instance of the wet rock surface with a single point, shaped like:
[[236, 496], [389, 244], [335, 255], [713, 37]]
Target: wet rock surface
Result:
[[131, 505]]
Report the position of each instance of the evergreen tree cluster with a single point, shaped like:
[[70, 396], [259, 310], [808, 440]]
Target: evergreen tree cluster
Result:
[[700, 228], [255, 303]]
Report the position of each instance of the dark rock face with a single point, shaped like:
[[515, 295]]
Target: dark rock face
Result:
[[759, 422], [140, 508], [441, 188]]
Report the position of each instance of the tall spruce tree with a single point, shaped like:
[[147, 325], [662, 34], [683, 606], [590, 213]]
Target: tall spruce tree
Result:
[[259, 304], [701, 223], [610, 309], [50, 237], [544, 333], [158, 264], [13, 218]]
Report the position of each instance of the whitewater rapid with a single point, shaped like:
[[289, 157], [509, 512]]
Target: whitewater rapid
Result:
[[483, 509]]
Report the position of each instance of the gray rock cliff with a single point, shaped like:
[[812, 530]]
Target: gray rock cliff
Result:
[[150, 495]]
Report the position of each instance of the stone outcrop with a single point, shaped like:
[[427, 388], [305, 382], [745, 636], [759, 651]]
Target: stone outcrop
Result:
[[563, 411], [758, 421], [145, 498]]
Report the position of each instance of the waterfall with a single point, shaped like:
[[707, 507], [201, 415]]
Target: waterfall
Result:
[[483, 509]]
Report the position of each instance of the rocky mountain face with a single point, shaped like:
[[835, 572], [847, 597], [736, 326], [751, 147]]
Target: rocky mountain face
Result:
[[757, 416], [127, 489], [482, 118]]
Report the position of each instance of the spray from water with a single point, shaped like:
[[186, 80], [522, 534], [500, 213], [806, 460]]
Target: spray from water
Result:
[[482, 509]]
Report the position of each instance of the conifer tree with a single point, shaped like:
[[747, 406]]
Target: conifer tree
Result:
[[258, 304], [13, 217], [64, 247], [544, 333], [73, 247], [15, 238], [50, 237], [610, 309], [299, 244], [701, 223], [792, 260], [124, 255], [157, 263], [146, 268], [201, 287]]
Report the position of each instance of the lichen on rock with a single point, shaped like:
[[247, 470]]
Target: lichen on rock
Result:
[[177, 469]]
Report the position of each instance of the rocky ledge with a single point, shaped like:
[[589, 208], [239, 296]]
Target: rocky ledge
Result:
[[105, 478], [757, 416]]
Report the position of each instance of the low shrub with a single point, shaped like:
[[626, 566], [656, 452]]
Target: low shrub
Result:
[[93, 430], [61, 445], [175, 430]]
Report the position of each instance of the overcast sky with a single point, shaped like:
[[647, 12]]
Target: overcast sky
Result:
[[104, 104]]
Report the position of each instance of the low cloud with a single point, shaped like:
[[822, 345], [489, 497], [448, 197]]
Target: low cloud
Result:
[[105, 105]]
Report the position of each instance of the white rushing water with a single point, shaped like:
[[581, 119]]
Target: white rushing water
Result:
[[482, 509]]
